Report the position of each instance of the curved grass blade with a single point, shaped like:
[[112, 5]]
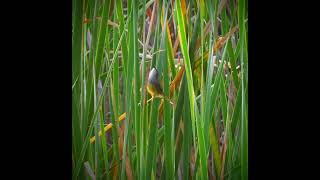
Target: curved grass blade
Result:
[[193, 106]]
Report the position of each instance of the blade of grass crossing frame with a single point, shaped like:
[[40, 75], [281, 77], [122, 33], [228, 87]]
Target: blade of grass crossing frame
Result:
[[96, 125], [177, 112], [137, 96], [76, 57], [193, 107], [244, 132], [129, 66], [83, 122], [213, 132], [216, 85], [143, 119], [230, 143], [177, 116], [227, 135], [151, 152], [202, 88], [102, 34], [187, 136], [77, 40], [180, 104], [116, 97], [209, 101], [168, 122], [235, 125], [91, 77], [124, 47], [87, 82], [223, 100], [208, 109], [99, 61], [103, 141]]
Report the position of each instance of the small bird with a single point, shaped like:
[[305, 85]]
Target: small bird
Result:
[[153, 86]]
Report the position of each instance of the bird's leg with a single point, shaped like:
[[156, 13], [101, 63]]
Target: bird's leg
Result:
[[168, 99]]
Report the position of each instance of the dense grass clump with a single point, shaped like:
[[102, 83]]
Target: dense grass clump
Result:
[[198, 130]]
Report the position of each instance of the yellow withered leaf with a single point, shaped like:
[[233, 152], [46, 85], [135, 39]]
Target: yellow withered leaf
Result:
[[107, 127]]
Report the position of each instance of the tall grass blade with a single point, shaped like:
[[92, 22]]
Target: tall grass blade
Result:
[[193, 107]]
